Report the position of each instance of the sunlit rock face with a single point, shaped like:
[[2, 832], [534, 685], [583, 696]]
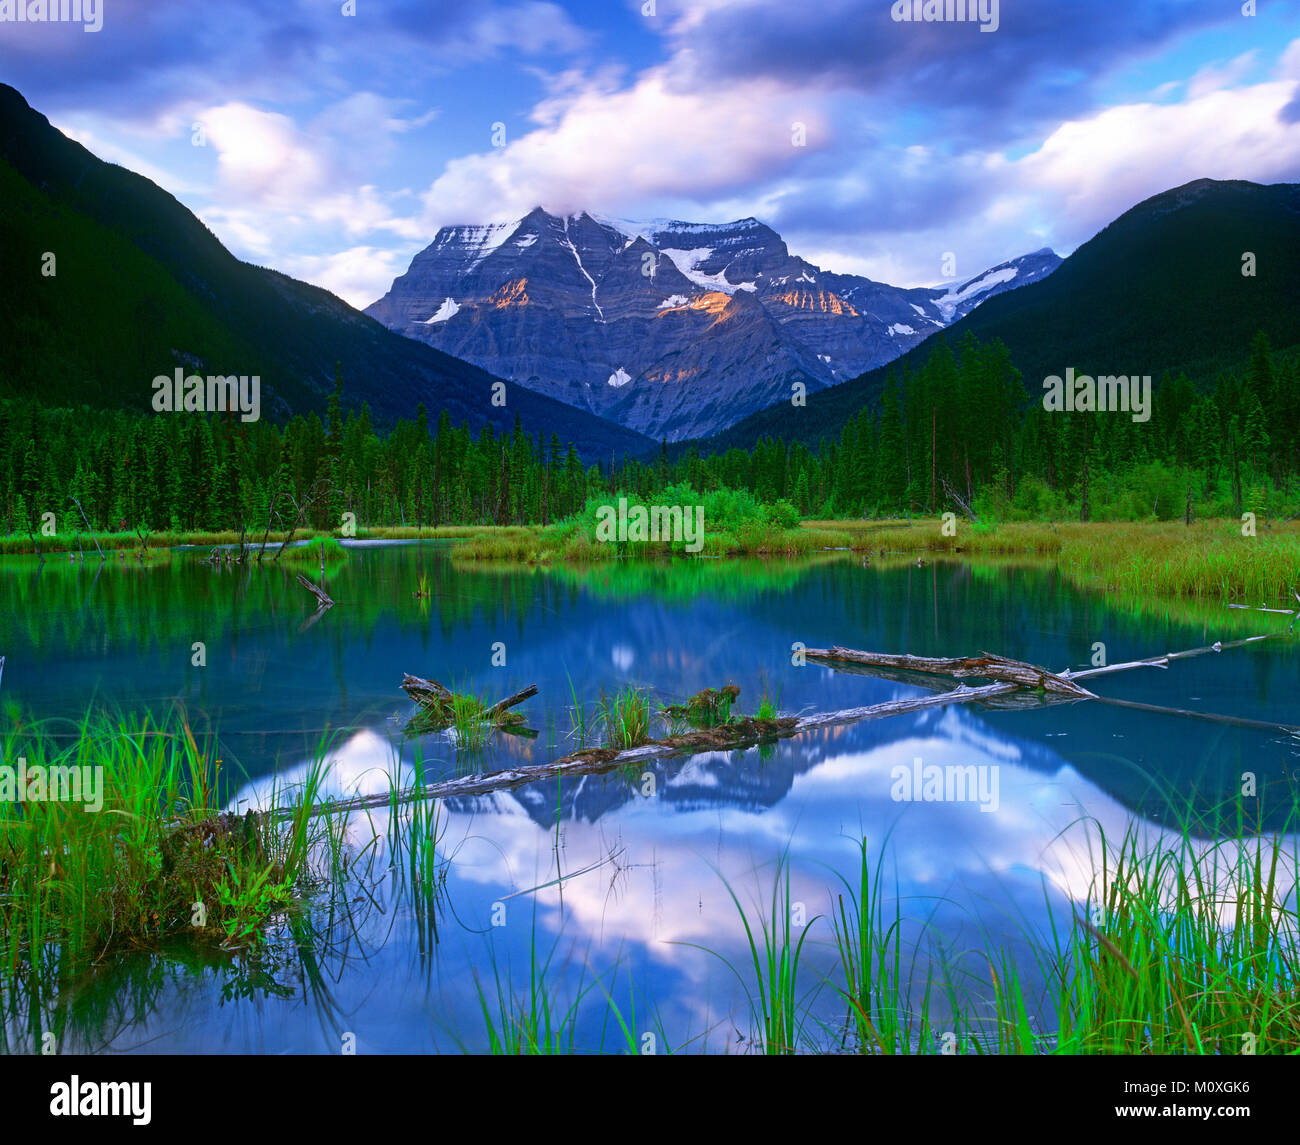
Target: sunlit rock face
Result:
[[670, 328]]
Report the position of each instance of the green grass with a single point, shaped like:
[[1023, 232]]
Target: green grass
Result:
[[624, 718], [318, 549], [875, 986], [1180, 953], [778, 1011], [581, 721], [158, 861], [1208, 560], [708, 708], [769, 705], [71, 541], [531, 1022], [1160, 971]]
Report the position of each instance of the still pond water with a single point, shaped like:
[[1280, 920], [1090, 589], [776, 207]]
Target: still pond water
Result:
[[622, 883]]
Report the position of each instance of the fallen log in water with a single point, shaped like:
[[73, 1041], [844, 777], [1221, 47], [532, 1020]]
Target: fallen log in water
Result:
[[744, 733], [509, 702], [1016, 676], [424, 691], [436, 703], [985, 665], [320, 594], [1164, 660]]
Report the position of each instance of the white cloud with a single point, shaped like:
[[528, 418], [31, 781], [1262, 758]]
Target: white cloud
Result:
[[262, 157], [358, 275], [600, 148], [1092, 170], [1214, 76], [274, 181]]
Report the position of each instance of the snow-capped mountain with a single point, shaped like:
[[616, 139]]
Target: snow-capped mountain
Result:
[[670, 328]]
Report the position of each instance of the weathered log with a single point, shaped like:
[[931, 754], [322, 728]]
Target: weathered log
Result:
[[1164, 660], [601, 760], [319, 593], [509, 702], [436, 704], [985, 666], [424, 691]]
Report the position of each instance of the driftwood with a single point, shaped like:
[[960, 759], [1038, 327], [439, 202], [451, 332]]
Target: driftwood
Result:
[[320, 594], [509, 702], [424, 691], [1016, 674], [436, 701], [1164, 660], [598, 760], [890, 667], [985, 665]]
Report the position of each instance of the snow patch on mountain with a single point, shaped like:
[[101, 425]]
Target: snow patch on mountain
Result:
[[687, 260], [477, 241], [445, 311], [948, 303], [619, 377]]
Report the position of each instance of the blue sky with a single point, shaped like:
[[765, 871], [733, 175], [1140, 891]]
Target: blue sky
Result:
[[332, 146]]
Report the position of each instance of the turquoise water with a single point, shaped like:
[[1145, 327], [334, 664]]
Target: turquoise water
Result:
[[622, 879]]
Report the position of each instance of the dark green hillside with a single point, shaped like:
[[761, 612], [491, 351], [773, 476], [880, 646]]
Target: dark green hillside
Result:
[[1158, 290], [142, 286]]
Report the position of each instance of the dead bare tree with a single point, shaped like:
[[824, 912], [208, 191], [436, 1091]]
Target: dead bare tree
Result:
[[958, 500], [320, 488]]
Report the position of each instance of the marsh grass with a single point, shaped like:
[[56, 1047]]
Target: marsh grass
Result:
[[874, 986], [1188, 947], [1193, 949], [624, 718], [769, 704], [708, 708], [76, 884], [1209, 560], [318, 549], [65, 542], [581, 721], [770, 980], [534, 1021]]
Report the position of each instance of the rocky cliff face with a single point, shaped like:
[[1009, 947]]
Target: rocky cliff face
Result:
[[672, 329]]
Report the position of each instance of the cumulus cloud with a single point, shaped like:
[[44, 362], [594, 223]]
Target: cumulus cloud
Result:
[[1094, 169], [267, 164], [608, 148], [357, 275]]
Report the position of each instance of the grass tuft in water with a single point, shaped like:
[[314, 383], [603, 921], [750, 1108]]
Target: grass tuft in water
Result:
[[157, 859], [625, 718]]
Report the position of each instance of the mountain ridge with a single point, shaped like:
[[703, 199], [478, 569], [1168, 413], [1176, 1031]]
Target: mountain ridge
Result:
[[1110, 307], [646, 322]]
